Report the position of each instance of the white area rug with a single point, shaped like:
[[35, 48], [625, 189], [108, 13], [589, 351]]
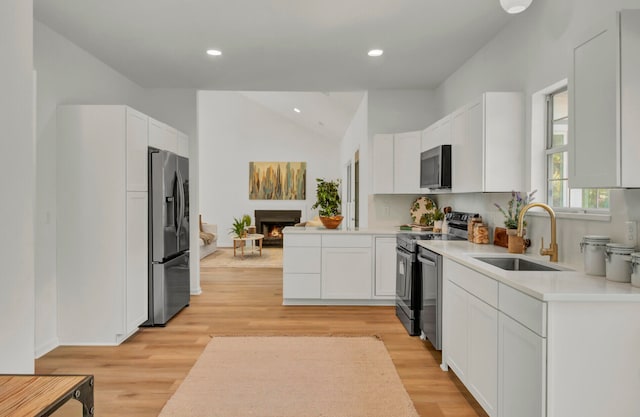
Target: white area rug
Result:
[[292, 377]]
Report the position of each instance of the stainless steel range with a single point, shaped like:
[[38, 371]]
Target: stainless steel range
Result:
[[409, 294]]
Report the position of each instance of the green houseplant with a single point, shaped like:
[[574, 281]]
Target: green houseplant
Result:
[[328, 201], [239, 225]]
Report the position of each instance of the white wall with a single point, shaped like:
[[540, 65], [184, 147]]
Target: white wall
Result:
[[68, 74], [233, 130], [531, 53], [356, 139], [17, 186], [395, 111]]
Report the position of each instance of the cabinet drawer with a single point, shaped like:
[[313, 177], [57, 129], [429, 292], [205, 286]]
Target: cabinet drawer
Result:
[[346, 241], [301, 260], [527, 310], [481, 286], [301, 286], [301, 240]]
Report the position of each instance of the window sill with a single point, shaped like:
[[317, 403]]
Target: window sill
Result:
[[572, 215]]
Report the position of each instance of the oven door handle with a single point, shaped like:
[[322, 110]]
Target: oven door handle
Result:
[[426, 261], [403, 253]]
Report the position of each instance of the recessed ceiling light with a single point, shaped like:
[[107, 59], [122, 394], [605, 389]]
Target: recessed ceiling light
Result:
[[213, 52], [375, 52], [297, 110]]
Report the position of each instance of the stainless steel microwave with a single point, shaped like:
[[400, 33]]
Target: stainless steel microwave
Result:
[[435, 167]]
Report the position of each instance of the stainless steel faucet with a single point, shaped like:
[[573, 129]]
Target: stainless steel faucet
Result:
[[552, 250]]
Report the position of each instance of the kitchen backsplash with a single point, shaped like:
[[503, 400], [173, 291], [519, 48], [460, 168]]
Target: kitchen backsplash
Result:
[[392, 210]]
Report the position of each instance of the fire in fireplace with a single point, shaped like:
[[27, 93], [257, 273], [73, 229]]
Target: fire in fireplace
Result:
[[271, 222]]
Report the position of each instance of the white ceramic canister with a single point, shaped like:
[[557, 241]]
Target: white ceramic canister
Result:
[[593, 248], [618, 262], [635, 269]]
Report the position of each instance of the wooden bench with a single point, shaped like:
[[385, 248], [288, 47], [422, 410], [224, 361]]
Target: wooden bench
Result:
[[42, 395]]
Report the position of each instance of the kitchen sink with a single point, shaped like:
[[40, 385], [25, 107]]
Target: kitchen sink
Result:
[[519, 264]]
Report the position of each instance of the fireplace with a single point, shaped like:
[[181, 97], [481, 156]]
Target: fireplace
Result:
[[271, 222]]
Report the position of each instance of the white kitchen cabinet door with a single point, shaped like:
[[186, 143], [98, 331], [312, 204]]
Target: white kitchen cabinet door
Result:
[[604, 97], [183, 144], [456, 330], [385, 273], [137, 143], [162, 136], [137, 261], [382, 165], [346, 273], [406, 166], [467, 154], [593, 136], [427, 138], [301, 260], [482, 371], [301, 286], [521, 370]]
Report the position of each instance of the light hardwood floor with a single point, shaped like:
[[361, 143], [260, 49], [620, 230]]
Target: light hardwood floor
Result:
[[136, 378]]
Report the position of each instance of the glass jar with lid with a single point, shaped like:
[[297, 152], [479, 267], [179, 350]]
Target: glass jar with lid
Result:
[[593, 248]]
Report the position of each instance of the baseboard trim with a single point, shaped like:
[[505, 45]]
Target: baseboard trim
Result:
[[47, 347], [196, 291]]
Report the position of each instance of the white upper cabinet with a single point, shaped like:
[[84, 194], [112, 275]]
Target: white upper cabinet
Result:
[[396, 163], [162, 136], [488, 144], [604, 100], [183, 144], [136, 143], [382, 164], [406, 162]]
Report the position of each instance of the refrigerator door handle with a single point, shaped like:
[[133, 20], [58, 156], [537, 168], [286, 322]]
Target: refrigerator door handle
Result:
[[179, 203]]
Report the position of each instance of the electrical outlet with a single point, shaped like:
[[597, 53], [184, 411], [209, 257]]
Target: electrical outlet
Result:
[[631, 232]]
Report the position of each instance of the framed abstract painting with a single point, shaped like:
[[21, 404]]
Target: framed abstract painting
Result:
[[277, 180]]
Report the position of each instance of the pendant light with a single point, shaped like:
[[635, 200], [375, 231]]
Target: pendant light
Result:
[[515, 6]]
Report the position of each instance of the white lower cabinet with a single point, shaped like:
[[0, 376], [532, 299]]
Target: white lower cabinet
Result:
[[521, 369], [137, 282], [385, 272], [471, 344], [482, 372], [338, 268], [301, 265], [346, 273], [456, 332]]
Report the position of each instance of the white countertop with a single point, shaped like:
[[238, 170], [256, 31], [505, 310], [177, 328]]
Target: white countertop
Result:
[[543, 285], [323, 230]]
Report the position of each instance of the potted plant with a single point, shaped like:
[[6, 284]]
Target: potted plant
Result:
[[438, 217], [516, 244], [239, 226], [328, 200]]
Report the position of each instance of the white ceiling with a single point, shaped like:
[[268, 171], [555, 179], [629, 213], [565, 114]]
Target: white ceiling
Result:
[[326, 114], [271, 45]]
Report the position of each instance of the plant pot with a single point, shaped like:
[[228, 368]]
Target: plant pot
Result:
[[516, 244], [331, 222]]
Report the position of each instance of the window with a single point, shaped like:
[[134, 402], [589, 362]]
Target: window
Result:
[[559, 195]]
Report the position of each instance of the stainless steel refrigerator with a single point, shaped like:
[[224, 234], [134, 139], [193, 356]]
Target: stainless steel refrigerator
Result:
[[169, 286]]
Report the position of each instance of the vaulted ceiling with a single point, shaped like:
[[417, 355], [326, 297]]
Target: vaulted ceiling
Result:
[[299, 45]]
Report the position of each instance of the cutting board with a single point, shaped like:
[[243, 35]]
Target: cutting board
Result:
[[500, 237]]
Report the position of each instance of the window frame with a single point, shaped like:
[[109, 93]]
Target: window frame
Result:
[[549, 149]]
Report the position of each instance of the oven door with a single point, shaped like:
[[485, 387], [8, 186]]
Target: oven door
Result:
[[406, 287], [404, 273]]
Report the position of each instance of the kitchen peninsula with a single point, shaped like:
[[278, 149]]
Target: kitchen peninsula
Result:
[[338, 267]]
